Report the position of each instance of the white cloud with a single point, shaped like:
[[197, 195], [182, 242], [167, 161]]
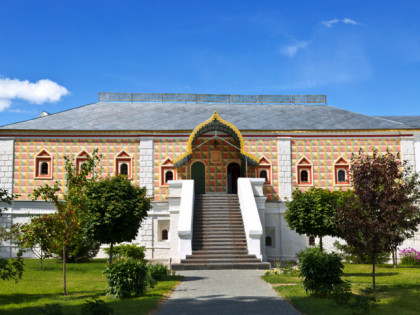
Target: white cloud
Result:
[[39, 92], [291, 50], [330, 23]]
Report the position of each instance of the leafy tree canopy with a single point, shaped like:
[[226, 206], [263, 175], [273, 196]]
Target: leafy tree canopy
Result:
[[115, 210]]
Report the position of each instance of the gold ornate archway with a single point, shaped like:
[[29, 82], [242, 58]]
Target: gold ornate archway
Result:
[[216, 123]]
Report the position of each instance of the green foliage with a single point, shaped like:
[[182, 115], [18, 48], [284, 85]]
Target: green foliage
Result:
[[127, 251], [81, 250], [312, 212], [361, 304], [158, 271], [115, 210], [12, 268], [128, 278], [349, 254], [381, 211], [96, 307], [320, 271]]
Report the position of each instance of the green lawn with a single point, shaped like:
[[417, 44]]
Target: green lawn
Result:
[[398, 289], [84, 281]]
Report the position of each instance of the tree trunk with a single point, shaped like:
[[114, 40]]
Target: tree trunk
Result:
[[394, 257], [64, 270], [320, 243], [373, 273], [110, 253], [41, 259]]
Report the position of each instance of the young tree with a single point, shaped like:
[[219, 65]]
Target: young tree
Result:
[[313, 212], [115, 211], [381, 212], [67, 222], [9, 269]]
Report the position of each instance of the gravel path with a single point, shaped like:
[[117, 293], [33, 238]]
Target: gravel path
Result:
[[224, 292]]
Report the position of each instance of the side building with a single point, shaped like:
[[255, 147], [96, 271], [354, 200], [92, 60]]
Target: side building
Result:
[[197, 154]]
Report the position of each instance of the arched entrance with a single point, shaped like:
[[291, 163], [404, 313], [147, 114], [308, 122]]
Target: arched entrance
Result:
[[233, 173], [198, 172]]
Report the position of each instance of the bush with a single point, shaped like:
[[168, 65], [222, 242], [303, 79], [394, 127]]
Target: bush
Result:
[[409, 256], [320, 271], [81, 251], [96, 307], [158, 271], [127, 278], [127, 251], [349, 254]]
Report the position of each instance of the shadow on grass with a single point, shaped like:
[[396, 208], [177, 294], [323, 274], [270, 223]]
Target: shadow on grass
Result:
[[30, 298], [369, 274]]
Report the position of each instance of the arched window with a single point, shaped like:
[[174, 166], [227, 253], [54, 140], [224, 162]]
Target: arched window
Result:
[[341, 176], [311, 240], [169, 175], [123, 164], [263, 174], [164, 235], [124, 169], [44, 168], [43, 165], [341, 170], [304, 172], [304, 176], [268, 241]]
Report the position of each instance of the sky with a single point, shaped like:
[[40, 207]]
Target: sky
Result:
[[57, 55]]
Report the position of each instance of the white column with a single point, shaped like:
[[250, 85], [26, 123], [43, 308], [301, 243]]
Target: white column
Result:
[[284, 156], [146, 165], [417, 151], [407, 150], [6, 164]]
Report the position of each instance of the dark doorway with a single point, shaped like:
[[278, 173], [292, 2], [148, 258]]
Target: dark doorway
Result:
[[198, 172], [233, 173]]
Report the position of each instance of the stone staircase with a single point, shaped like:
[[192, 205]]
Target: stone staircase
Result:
[[219, 240]]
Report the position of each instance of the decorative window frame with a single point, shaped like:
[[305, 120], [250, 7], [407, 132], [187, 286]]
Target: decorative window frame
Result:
[[41, 157], [124, 158], [167, 166], [342, 164], [81, 158], [264, 165], [304, 164]]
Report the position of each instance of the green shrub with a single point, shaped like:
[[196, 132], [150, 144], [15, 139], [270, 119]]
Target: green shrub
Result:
[[409, 256], [81, 251], [158, 271], [349, 254], [127, 251], [320, 271], [96, 307], [52, 309], [127, 278]]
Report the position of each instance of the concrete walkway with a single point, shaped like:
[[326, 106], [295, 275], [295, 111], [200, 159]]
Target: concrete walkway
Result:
[[224, 292]]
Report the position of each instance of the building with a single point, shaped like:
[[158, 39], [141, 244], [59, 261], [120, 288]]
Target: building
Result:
[[272, 143]]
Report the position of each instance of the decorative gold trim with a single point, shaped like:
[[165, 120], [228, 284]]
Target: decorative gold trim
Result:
[[197, 129]]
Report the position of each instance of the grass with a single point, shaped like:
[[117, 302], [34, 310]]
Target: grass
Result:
[[398, 289], [84, 281]]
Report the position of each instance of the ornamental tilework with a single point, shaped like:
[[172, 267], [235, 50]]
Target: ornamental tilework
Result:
[[164, 149], [268, 149], [323, 153], [26, 150]]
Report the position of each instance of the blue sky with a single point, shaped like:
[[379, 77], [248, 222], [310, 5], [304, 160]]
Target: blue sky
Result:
[[56, 55]]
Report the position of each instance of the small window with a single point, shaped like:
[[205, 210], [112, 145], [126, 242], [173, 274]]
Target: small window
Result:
[[268, 241], [169, 175], [304, 176], [311, 240], [164, 235], [44, 168], [124, 169], [263, 174], [341, 176]]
